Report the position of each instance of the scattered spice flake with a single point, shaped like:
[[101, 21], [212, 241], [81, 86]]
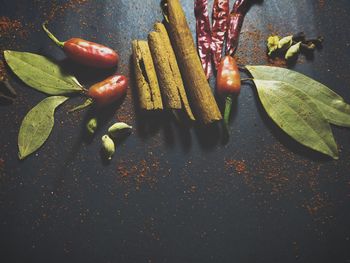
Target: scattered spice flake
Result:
[[139, 173], [271, 176], [126, 111], [193, 188], [253, 51], [10, 27], [321, 3], [272, 29], [316, 203], [239, 166], [10, 31], [58, 8]]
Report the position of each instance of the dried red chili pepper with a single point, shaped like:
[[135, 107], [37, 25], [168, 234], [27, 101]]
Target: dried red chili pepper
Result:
[[203, 34], [86, 52], [228, 83], [109, 90], [219, 17], [235, 23]]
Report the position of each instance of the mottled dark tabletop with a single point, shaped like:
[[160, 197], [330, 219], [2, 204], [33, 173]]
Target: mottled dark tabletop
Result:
[[172, 193]]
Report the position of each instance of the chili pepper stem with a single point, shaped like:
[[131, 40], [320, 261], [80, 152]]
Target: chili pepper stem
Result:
[[228, 106], [84, 90], [247, 79], [83, 106], [51, 36]]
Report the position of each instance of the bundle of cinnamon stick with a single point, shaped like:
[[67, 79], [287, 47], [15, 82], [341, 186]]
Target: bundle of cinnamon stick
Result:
[[167, 68]]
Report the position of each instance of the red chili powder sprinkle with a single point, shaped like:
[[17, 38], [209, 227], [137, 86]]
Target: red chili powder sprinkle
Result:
[[316, 203], [239, 166], [10, 30], [61, 8], [142, 173], [9, 27], [321, 3]]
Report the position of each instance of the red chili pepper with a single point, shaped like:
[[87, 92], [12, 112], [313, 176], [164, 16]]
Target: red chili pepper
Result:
[[86, 52], [219, 28], [228, 83], [203, 34], [235, 23], [109, 90]]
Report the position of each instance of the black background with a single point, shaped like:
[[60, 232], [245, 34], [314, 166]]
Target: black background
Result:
[[171, 193]]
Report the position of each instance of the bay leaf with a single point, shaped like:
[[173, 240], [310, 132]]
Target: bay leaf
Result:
[[41, 73], [37, 125], [296, 113], [333, 106]]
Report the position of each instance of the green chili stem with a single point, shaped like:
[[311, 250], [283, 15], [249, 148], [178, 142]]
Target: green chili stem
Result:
[[53, 38], [247, 79], [83, 106], [228, 106]]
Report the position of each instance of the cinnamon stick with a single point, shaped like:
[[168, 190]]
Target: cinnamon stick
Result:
[[146, 77], [203, 101], [167, 83], [175, 74]]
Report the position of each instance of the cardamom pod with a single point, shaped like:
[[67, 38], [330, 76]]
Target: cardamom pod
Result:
[[108, 146], [118, 127], [285, 43], [293, 51], [91, 126]]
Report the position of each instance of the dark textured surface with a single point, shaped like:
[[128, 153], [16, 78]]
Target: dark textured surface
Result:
[[172, 194]]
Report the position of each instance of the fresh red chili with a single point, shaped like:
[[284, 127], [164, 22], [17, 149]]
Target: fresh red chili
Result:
[[235, 23], [228, 78], [86, 52], [228, 83], [203, 34], [219, 17], [109, 90]]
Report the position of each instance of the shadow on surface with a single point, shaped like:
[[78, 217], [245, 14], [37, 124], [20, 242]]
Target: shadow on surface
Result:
[[149, 123]]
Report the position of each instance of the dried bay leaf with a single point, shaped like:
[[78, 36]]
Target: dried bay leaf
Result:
[[333, 107], [296, 113], [41, 73], [37, 125]]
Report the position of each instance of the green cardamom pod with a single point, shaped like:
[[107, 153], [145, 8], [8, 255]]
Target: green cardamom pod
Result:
[[293, 51], [285, 43], [108, 146], [272, 44], [118, 127], [91, 126]]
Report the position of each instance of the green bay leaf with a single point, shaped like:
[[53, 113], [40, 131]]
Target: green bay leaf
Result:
[[41, 73], [297, 114], [37, 125], [333, 107]]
